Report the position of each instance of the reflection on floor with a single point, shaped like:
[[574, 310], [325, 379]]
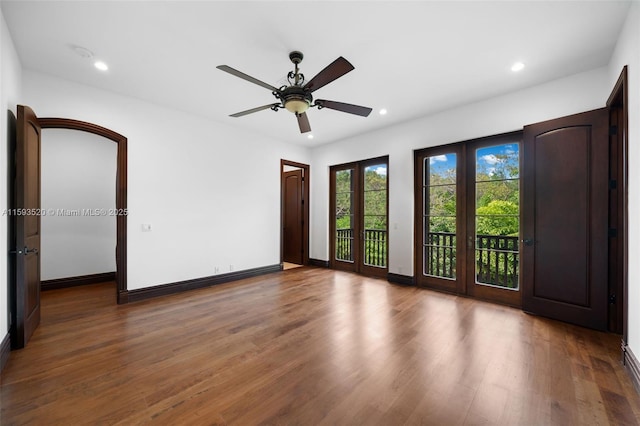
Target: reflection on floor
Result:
[[288, 265]]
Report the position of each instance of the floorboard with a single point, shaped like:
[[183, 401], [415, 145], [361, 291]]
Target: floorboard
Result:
[[309, 346]]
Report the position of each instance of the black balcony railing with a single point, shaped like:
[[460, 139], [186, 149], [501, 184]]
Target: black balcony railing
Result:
[[497, 258], [440, 254], [344, 245], [374, 248]]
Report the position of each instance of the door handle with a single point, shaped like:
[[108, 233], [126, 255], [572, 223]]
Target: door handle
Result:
[[527, 242], [25, 251]]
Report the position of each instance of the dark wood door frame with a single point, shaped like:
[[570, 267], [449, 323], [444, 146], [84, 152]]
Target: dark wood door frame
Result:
[[358, 264], [305, 208], [121, 190], [618, 106], [459, 284], [473, 288]]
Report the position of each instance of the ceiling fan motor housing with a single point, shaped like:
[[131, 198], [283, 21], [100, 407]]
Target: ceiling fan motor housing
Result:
[[296, 99], [296, 57]]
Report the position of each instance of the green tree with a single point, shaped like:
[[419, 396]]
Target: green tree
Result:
[[498, 217]]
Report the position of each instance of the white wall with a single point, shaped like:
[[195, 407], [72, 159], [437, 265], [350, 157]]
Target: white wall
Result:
[[10, 85], [78, 174], [510, 112], [627, 52], [210, 192]]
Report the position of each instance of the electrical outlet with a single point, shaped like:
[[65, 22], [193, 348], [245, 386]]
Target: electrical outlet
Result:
[[216, 269], [230, 267]]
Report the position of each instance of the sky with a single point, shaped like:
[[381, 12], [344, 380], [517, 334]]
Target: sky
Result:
[[486, 158]]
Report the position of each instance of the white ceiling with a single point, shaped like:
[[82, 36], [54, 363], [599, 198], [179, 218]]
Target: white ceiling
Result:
[[413, 58]]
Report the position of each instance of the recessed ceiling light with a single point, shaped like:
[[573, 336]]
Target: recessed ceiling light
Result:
[[518, 66], [101, 66], [309, 136], [383, 111]]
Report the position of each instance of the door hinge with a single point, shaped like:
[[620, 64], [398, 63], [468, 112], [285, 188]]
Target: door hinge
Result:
[[613, 184], [612, 299], [613, 233], [613, 130]]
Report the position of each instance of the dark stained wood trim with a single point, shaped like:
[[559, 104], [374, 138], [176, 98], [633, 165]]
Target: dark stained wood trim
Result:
[[400, 279], [121, 189], [5, 350], [333, 263], [372, 271], [12, 139], [484, 292], [632, 364], [305, 211], [357, 265], [181, 286], [458, 285], [319, 263], [619, 99], [76, 281]]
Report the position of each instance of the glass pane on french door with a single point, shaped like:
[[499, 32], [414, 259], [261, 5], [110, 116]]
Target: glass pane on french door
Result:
[[497, 218], [344, 215], [439, 216], [374, 247]]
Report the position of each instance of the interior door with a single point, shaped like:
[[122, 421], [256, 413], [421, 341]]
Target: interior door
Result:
[[359, 212], [565, 225], [292, 186], [27, 225]]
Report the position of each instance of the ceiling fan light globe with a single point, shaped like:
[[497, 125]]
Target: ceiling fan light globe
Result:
[[296, 106]]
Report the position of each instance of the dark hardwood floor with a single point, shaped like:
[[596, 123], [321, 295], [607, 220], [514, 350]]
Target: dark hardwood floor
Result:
[[310, 346]]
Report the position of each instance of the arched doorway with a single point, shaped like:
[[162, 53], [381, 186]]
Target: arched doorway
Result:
[[121, 190]]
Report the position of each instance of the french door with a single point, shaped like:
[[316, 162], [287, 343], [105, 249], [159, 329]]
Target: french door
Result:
[[550, 257], [359, 212], [468, 218]]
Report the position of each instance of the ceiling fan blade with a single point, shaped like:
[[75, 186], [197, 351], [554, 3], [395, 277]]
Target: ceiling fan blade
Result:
[[341, 106], [251, 111], [244, 76], [334, 70], [303, 122]]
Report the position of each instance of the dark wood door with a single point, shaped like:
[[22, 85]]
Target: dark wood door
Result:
[[373, 226], [359, 211], [293, 223], [27, 225], [345, 210], [565, 225], [440, 211]]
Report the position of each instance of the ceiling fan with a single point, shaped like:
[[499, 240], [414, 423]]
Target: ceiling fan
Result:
[[296, 97]]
